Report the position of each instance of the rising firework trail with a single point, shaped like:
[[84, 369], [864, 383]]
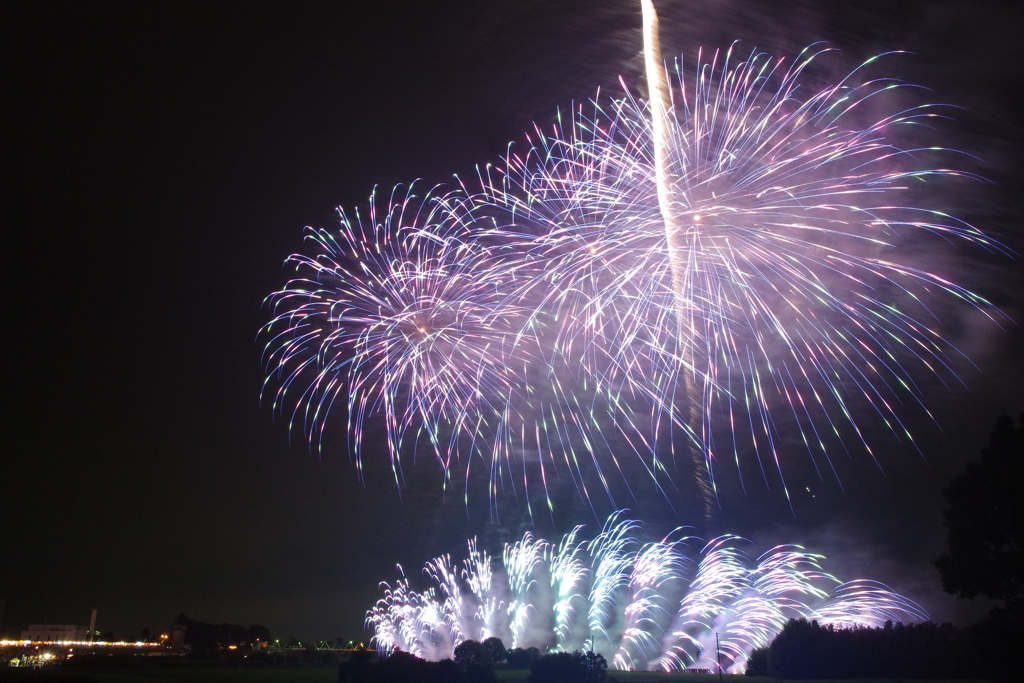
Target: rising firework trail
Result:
[[661, 108], [643, 606], [734, 270]]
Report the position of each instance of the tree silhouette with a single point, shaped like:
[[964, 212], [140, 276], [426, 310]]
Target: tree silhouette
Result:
[[565, 667], [985, 522], [495, 649], [470, 652], [985, 539], [522, 658], [808, 650]]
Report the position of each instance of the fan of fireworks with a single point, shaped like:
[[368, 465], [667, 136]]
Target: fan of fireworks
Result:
[[642, 606], [689, 272]]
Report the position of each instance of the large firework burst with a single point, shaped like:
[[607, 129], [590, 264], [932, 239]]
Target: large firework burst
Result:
[[738, 253]]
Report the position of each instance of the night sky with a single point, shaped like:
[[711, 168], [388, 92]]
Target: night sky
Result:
[[161, 160]]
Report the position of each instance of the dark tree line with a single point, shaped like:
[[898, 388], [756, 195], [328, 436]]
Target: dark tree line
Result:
[[202, 636], [568, 667], [474, 663], [522, 658], [808, 650], [984, 519], [402, 667], [488, 653]]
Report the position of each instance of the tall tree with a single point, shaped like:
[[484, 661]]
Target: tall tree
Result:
[[495, 649], [985, 522]]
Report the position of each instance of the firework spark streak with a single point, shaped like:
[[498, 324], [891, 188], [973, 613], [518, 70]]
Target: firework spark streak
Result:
[[642, 606], [675, 237], [740, 258]]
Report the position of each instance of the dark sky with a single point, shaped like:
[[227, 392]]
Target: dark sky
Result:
[[161, 160]]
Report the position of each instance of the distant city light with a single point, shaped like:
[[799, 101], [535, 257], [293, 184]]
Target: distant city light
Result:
[[71, 643]]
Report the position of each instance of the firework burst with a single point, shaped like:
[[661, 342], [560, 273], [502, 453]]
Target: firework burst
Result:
[[735, 259], [392, 314], [781, 292]]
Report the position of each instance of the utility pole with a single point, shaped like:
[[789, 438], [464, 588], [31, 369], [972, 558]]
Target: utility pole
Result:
[[718, 654]]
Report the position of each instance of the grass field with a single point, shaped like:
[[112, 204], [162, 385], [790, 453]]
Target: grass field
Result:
[[330, 675]]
